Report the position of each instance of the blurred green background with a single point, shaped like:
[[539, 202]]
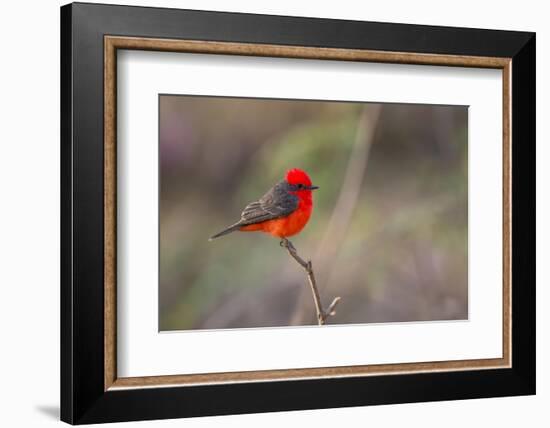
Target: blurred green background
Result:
[[388, 231]]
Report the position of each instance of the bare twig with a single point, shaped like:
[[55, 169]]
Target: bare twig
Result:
[[322, 315]]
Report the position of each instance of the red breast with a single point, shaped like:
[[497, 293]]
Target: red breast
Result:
[[286, 226]]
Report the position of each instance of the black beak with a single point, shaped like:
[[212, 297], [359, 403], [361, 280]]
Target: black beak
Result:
[[312, 187]]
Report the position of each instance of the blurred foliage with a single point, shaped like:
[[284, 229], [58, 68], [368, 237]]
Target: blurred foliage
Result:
[[404, 254]]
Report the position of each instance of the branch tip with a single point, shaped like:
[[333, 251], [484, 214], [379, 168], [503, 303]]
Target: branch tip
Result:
[[322, 315]]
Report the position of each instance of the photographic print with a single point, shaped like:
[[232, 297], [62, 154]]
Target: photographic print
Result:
[[278, 213]]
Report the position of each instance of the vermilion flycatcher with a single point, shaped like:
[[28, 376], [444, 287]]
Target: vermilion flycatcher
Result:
[[282, 212]]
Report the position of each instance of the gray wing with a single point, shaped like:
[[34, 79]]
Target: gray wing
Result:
[[276, 203]]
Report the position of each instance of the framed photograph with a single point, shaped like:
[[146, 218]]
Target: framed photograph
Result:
[[265, 213]]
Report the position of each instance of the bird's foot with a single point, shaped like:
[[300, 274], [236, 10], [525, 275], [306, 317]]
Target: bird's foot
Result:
[[288, 245]]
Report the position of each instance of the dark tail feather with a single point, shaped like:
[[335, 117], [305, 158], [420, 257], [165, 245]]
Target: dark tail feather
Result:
[[230, 229]]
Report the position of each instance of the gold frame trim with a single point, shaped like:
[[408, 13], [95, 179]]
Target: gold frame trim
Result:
[[112, 43]]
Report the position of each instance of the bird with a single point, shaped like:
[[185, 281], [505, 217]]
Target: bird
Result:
[[282, 212]]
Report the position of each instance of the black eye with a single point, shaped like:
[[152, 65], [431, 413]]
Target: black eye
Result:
[[300, 186]]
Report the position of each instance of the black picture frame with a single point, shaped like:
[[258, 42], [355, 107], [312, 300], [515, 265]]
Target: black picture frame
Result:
[[83, 397]]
